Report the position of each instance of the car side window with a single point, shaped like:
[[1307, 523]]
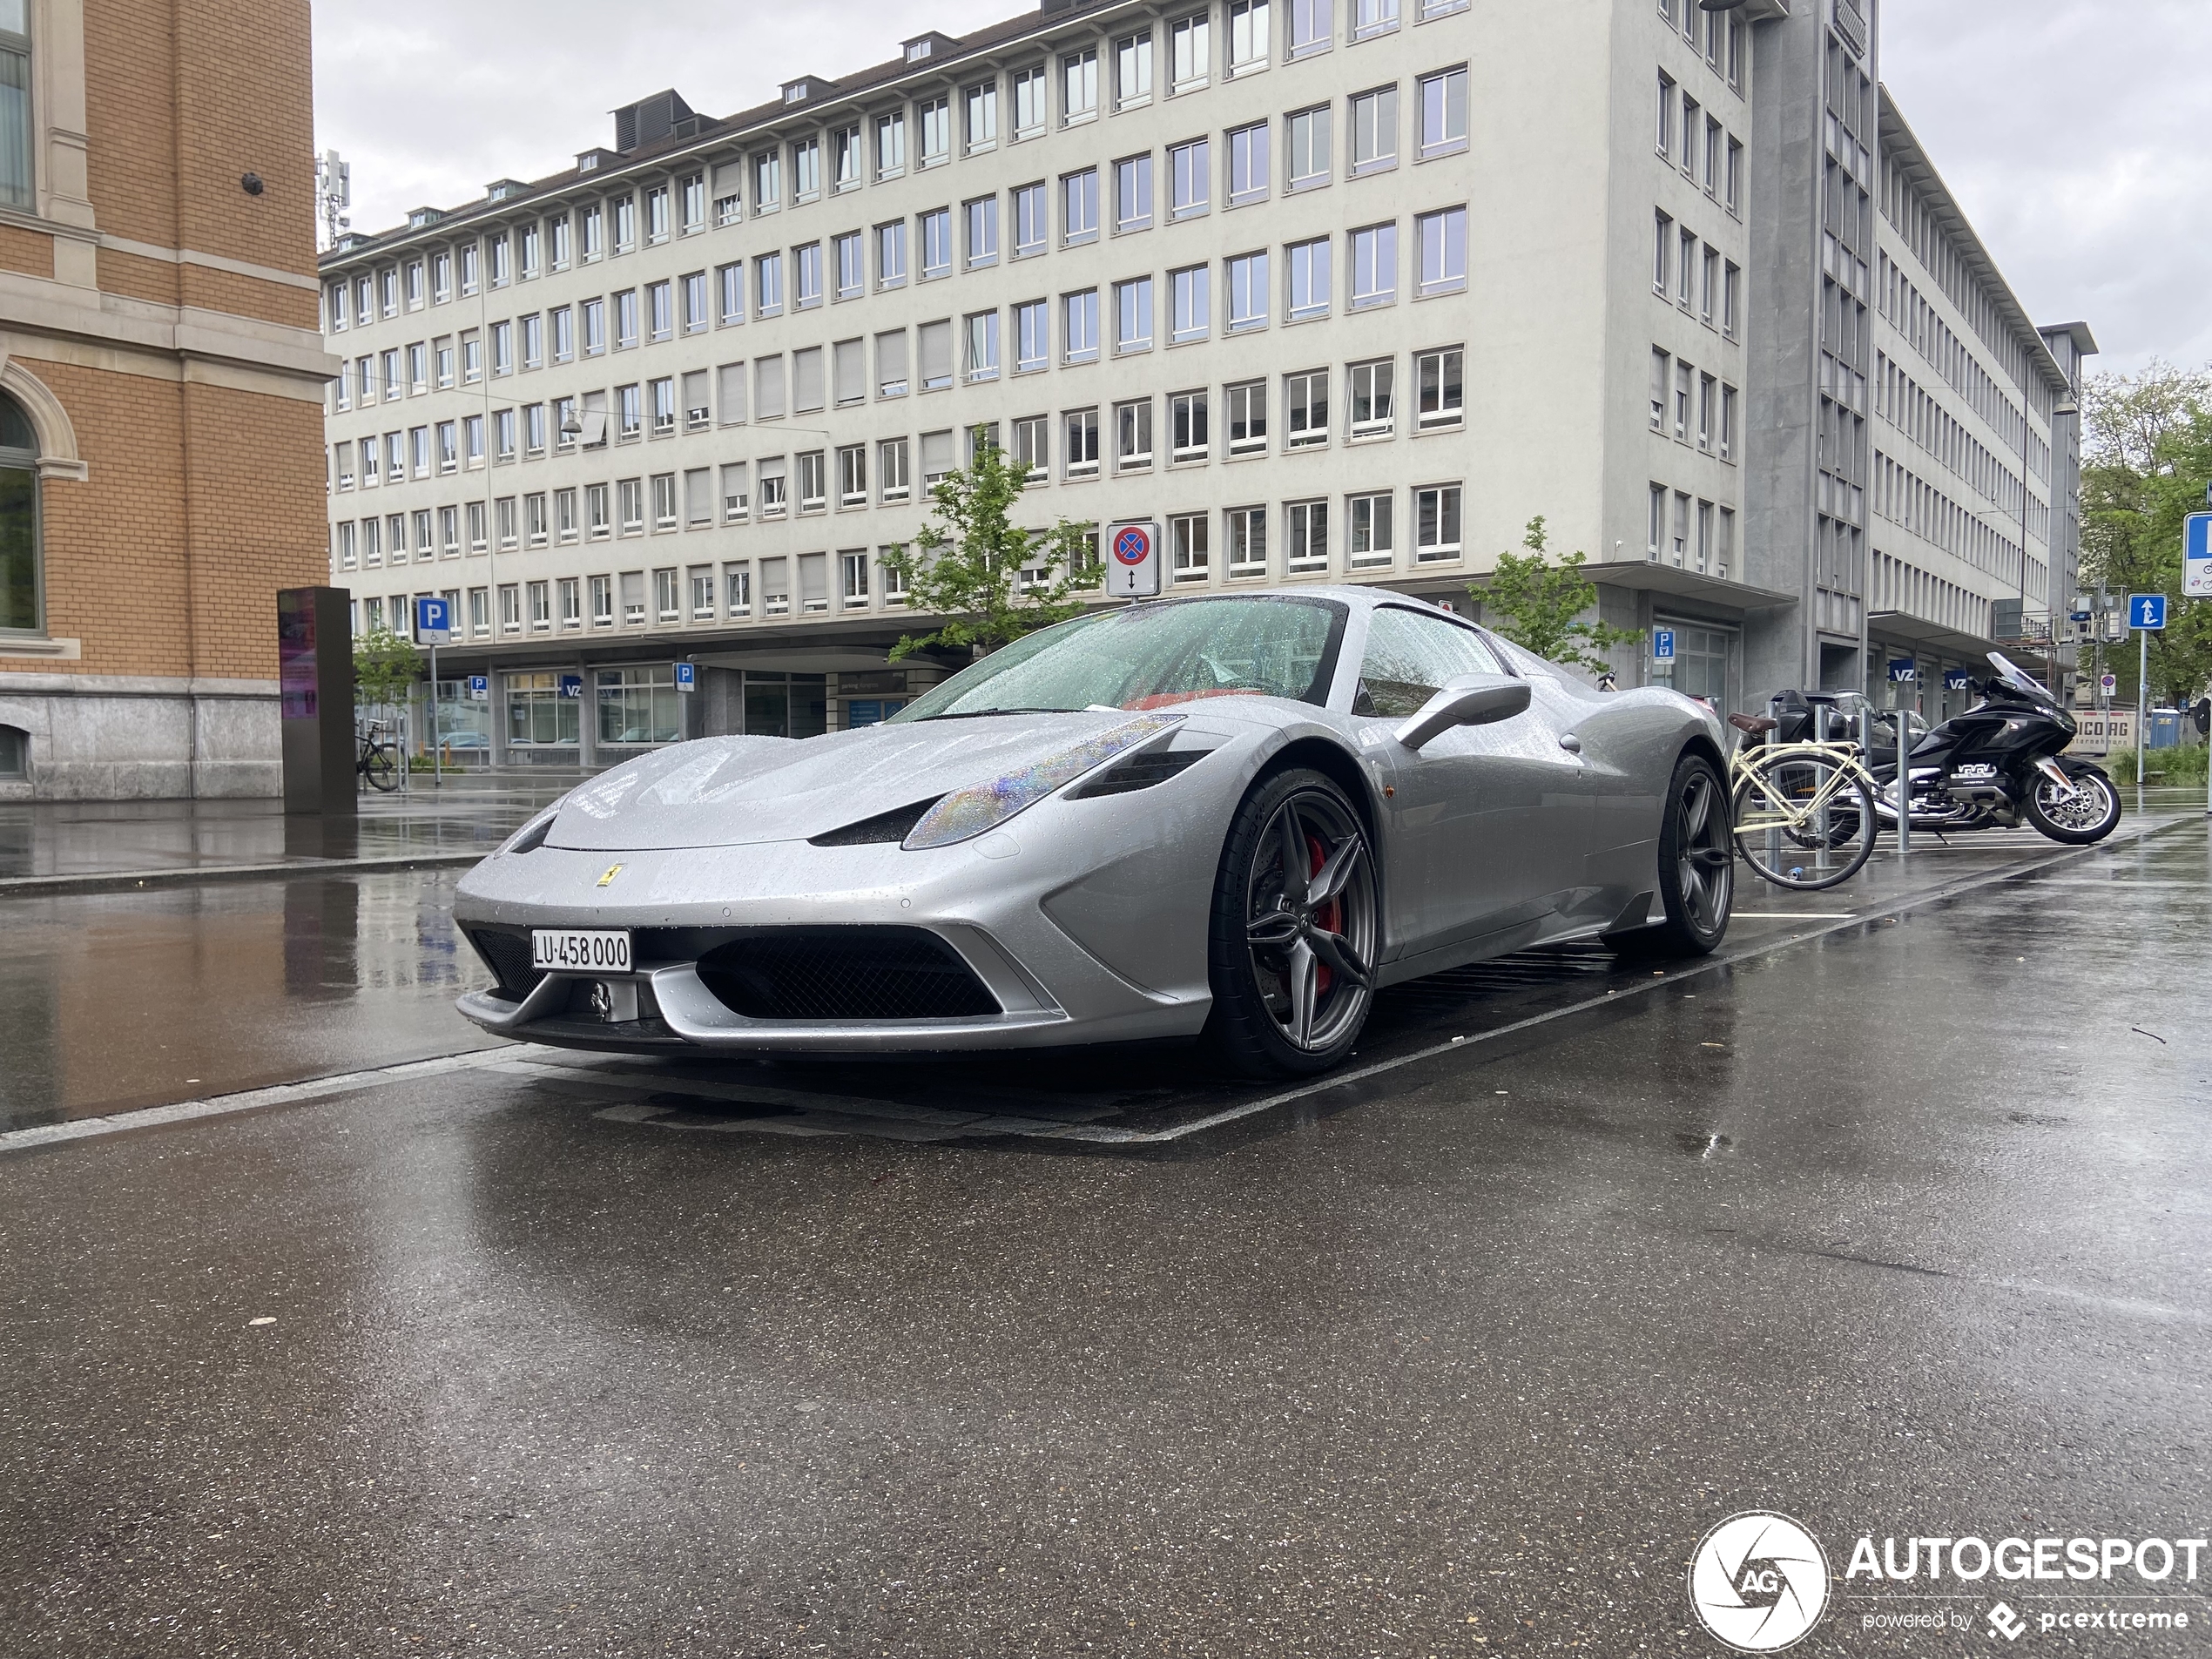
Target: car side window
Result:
[[1409, 658]]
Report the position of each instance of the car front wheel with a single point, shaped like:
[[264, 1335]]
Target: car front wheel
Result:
[[1697, 867], [1294, 930]]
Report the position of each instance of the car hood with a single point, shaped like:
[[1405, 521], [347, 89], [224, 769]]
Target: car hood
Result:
[[739, 791]]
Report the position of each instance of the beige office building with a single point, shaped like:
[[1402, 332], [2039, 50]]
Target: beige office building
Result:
[[1328, 289]]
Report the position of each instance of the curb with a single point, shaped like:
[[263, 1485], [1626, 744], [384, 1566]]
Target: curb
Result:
[[30, 886]]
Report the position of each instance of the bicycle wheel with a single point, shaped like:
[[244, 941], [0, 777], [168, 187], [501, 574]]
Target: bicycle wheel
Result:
[[1804, 821], [377, 767]]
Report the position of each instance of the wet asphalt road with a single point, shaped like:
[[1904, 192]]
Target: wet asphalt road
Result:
[[1899, 1228]]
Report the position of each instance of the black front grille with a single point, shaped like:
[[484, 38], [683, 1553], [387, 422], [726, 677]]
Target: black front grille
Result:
[[507, 955], [844, 973]]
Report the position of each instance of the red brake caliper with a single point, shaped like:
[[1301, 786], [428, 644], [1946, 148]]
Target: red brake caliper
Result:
[[1329, 918]]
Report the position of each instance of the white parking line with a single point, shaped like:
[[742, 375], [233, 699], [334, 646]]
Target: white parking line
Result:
[[248, 1100]]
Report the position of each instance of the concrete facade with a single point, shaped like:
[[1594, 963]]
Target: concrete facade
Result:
[[157, 327], [1619, 263]]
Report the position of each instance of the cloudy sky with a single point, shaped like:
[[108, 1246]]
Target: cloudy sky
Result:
[[2074, 131]]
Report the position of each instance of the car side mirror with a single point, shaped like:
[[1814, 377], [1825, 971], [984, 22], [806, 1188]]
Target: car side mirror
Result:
[[1468, 700]]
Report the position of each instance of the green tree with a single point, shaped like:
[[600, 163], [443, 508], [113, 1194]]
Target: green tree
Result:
[[1540, 606], [385, 666], [2147, 457], [990, 580]]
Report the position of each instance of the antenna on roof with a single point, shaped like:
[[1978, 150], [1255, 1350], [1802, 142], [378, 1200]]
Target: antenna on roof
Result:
[[333, 193]]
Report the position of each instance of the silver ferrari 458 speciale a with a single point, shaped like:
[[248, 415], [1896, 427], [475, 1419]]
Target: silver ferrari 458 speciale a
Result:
[[1233, 817]]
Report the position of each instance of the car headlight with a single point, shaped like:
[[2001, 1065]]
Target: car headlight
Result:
[[532, 835], [968, 813]]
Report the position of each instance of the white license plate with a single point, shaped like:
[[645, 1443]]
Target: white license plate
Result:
[[580, 950]]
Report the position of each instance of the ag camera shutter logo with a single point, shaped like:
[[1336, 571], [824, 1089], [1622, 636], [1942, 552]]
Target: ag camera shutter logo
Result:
[[1759, 1581]]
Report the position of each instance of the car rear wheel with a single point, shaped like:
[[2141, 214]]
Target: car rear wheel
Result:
[[1697, 867], [1294, 930]]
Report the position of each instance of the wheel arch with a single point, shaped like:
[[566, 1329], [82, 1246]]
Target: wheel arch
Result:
[[1338, 765], [1701, 743]]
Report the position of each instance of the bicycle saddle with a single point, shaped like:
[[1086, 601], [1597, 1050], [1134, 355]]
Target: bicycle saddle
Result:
[[1754, 723]]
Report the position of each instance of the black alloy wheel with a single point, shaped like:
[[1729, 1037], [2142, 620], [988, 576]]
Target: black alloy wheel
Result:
[[1295, 930]]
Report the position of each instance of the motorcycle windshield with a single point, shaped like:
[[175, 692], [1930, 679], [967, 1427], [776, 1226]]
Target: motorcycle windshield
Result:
[[2015, 676]]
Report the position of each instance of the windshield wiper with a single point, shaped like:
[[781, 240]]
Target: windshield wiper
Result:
[[979, 714]]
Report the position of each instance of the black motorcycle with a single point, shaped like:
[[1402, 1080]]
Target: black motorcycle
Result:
[[1999, 765]]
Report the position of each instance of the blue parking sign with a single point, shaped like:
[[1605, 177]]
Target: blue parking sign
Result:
[[2146, 611], [1662, 644], [480, 688], [433, 621], [686, 677]]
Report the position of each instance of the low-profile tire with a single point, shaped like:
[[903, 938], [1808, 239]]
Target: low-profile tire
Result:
[[2080, 821], [1697, 867], [1292, 971]]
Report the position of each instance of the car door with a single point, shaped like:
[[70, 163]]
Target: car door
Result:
[[1489, 825]]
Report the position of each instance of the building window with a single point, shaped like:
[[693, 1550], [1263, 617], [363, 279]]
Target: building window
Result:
[[891, 456], [641, 706], [1248, 292], [1374, 265], [1187, 425], [1305, 406], [1443, 239], [1190, 290], [1308, 264], [1370, 548], [1187, 547], [1436, 523], [1133, 70], [1375, 129], [1079, 326], [1032, 446], [1306, 527], [1133, 435], [1248, 164], [934, 120], [1031, 102], [1133, 314], [1030, 229], [852, 578], [1133, 193], [1247, 541], [1080, 454], [1247, 417], [1661, 377], [1309, 142], [1079, 206], [853, 475], [603, 602], [937, 244], [22, 572], [1443, 113], [1187, 42], [1247, 35], [1032, 336], [537, 715], [1373, 409], [1079, 85]]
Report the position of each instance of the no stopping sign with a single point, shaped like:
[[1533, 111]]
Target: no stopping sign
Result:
[[1133, 559]]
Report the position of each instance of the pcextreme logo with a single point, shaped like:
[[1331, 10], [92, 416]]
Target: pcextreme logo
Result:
[[1759, 1581]]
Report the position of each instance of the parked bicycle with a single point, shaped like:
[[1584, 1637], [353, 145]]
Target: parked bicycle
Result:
[[1805, 811], [376, 759]]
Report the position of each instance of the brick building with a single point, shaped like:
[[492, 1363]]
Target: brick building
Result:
[[161, 378]]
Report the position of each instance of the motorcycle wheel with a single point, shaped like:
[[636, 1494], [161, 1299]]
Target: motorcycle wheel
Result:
[[2086, 816]]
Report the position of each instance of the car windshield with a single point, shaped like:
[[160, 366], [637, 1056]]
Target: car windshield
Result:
[[1151, 656], [2013, 676]]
